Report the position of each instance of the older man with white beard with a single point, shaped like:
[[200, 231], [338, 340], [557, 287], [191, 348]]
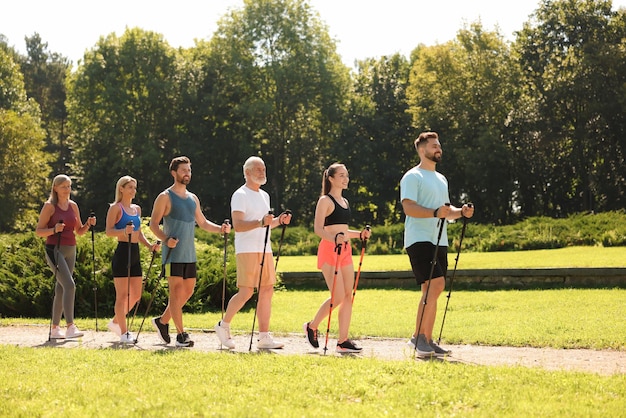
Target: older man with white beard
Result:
[[251, 215]]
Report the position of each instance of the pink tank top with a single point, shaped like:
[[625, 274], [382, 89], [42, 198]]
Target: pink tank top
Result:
[[69, 219]]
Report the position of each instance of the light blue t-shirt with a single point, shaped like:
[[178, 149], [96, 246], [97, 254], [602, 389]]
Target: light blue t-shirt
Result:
[[428, 189]]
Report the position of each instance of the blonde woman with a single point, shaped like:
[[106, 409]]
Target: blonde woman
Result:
[[332, 215], [124, 222], [59, 222]]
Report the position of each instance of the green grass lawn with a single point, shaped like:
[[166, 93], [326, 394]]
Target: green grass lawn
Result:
[[562, 257], [181, 383], [52, 382]]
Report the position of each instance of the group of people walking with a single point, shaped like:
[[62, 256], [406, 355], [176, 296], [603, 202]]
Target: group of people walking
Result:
[[176, 212]]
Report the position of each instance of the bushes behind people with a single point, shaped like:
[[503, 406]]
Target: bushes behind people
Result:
[[26, 282]]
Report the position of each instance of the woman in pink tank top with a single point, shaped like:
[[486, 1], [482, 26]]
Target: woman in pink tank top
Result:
[[59, 222]]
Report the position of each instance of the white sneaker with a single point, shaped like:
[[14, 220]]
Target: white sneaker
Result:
[[224, 335], [127, 338], [56, 333], [267, 343], [114, 328], [73, 332]]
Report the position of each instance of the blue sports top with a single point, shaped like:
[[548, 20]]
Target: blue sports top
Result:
[[121, 224], [339, 215]]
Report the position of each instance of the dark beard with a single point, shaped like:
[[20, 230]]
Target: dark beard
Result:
[[434, 158]]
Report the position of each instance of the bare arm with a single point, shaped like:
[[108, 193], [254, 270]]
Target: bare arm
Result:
[[242, 225], [159, 210], [81, 228], [202, 221], [44, 217], [113, 214]]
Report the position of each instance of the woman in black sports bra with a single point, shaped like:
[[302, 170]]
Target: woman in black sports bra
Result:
[[332, 216]]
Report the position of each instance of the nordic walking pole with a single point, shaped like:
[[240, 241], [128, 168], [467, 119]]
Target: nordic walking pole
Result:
[[332, 289], [442, 222], [456, 262], [55, 259], [143, 283], [267, 234], [130, 223], [358, 274], [93, 264], [226, 221], [156, 287], [282, 235]]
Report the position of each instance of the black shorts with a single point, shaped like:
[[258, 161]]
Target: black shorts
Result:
[[184, 270], [421, 257], [120, 260]]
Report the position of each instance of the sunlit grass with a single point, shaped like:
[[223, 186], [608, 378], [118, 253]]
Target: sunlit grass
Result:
[[181, 383], [559, 318], [558, 258]]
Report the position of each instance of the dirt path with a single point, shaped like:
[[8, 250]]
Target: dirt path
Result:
[[604, 362]]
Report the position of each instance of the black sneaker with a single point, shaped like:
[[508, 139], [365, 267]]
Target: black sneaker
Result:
[[311, 335], [348, 347], [183, 340], [163, 330]]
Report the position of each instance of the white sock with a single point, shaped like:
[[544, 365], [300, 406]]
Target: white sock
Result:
[[263, 335], [225, 325]]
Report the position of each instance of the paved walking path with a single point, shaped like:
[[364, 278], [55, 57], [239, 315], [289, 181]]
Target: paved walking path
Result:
[[604, 362]]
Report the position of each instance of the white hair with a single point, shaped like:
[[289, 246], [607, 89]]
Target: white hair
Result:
[[250, 162]]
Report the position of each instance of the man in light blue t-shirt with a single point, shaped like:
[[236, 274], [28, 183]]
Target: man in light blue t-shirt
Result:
[[425, 201]]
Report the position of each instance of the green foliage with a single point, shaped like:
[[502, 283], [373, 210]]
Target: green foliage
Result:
[[605, 229], [120, 103], [21, 150], [44, 80], [464, 90], [26, 281], [278, 89], [527, 127]]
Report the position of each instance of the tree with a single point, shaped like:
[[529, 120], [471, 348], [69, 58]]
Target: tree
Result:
[[122, 109], [377, 139], [44, 80], [573, 55], [22, 159], [464, 90], [280, 88]]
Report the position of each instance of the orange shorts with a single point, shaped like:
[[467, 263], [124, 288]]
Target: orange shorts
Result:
[[326, 254], [249, 268]]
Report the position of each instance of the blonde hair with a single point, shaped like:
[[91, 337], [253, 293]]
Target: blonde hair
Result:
[[60, 178], [123, 181]]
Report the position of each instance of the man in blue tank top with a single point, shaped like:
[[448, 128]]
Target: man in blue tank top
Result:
[[180, 211], [425, 201]]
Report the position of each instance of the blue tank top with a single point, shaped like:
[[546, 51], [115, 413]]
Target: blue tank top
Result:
[[121, 224], [180, 223], [339, 215]]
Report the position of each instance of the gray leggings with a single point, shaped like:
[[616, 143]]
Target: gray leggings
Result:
[[65, 288]]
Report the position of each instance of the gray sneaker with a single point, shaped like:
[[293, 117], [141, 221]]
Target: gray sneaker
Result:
[[439, 352], [423, 348]]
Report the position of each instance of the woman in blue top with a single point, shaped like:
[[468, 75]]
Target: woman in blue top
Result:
[[124, 222]]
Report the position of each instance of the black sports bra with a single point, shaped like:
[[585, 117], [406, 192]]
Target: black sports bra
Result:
[[339, 216]]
